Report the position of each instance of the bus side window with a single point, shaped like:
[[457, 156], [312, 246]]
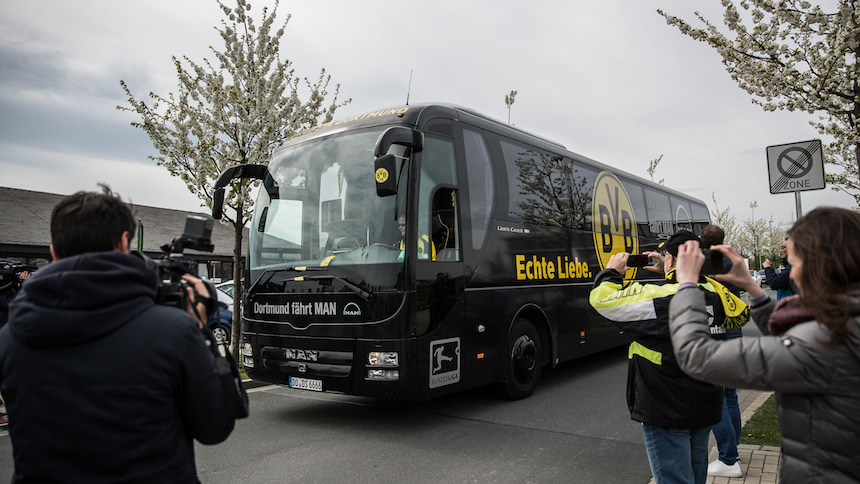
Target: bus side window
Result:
[[445, 225], [481, 182], [437, 197]]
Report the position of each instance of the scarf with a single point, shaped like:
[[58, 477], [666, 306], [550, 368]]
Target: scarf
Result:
[[790, 311], [737, 311]]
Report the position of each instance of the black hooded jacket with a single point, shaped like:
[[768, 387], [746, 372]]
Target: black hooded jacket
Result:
[[103, 385]]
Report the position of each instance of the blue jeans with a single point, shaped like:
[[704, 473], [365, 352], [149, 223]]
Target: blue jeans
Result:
[[677, 456], [728, 431]]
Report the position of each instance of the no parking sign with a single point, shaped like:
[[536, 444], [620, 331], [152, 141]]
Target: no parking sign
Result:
[[795, 167]]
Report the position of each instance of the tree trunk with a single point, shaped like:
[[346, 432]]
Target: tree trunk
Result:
[[236, 336]]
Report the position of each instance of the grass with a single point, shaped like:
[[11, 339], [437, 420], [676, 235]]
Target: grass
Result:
[[763, 427]]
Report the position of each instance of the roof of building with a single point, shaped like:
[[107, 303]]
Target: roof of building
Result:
[[25, 219]]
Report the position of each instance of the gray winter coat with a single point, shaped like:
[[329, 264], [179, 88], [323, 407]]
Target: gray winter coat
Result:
[[817, 387]]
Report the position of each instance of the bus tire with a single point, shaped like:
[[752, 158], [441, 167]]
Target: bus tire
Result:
[[523, 361]]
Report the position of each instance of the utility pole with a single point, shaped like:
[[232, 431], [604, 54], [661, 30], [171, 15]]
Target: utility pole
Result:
[[756, 255]]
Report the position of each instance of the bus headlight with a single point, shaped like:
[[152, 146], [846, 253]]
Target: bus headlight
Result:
[[248, 362], [247, 350], [382, 358]]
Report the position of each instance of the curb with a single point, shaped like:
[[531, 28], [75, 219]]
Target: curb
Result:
[[747, 414], [250, 384]]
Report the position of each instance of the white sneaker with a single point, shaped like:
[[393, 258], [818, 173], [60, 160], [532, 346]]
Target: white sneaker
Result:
[[721, 469]]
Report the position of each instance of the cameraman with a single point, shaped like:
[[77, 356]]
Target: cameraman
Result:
[[10, 282], [102, 384]]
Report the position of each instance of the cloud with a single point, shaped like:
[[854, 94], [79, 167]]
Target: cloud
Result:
[[609, 80]]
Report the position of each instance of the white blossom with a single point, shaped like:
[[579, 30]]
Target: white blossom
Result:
[[791, 55], [235, 111]]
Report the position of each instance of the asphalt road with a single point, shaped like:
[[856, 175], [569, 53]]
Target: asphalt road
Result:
[[575, 428]]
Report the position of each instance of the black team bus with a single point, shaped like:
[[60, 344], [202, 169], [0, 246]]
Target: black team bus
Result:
[[502, 234]]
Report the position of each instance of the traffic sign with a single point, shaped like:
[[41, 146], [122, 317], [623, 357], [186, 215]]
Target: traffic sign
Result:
[[795, 167]]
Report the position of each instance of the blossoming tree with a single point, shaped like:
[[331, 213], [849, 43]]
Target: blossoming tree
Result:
[[235, 111], [789, 54]]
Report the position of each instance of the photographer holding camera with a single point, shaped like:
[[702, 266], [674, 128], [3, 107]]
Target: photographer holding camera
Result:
[[101, 383], [809, 354], [676, 411], [11, 278]]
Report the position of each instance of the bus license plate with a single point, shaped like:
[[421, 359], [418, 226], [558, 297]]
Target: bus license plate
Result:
[[306, 384]]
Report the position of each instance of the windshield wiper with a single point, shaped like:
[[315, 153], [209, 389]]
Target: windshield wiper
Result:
[[364, 294], [271, 273]]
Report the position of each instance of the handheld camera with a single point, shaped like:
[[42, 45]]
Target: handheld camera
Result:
[[640, 260]]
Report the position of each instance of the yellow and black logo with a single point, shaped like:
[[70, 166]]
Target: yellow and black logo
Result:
[[613, 220], [381, 175]]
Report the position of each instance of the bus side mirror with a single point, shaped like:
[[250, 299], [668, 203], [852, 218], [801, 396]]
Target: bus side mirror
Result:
[[385, 172], [251, 171], [399, 135], [218, 203]]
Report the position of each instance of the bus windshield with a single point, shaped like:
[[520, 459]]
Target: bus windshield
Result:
[[323, 210]]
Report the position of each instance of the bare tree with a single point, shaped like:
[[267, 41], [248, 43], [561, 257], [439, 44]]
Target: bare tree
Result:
[[233, 112], [509, 101], [724, 220], [652, 168]]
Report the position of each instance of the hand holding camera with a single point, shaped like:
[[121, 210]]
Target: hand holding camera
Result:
[[690, 265], [199, 301], [649, 261]]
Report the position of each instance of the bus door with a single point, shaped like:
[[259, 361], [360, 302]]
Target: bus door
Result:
[[439, 270]]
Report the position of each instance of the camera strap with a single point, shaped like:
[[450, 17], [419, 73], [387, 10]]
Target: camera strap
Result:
[[235, 396]]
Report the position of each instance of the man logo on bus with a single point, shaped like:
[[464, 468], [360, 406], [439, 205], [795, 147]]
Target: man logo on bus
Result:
[[613, 220]]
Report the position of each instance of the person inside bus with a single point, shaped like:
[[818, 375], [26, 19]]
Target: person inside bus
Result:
[[423, 242], [809, 354], [676, 411]]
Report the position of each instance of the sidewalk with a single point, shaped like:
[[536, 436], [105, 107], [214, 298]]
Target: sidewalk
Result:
[[760, 463]]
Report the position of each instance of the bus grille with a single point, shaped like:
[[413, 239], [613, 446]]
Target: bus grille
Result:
[[307, 363]]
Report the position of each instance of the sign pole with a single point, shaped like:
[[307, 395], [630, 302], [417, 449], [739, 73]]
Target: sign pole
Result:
[[139, 236], [797, 205]]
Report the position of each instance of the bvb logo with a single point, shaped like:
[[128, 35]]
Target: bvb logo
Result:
[[381, 175], [613, 220]]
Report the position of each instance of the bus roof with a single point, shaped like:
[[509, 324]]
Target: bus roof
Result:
[[417, 114]]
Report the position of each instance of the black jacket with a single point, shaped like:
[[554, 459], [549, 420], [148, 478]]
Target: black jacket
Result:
[[779, 281], [101, 384], [6, 297], [658, 392]]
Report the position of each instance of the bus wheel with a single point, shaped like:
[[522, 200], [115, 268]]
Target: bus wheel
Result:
[[524, 358]]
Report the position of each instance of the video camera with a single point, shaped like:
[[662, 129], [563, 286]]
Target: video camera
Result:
[[170, 267], [11, 270]]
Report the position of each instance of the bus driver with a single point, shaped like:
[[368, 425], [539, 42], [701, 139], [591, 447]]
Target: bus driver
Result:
[[423, 242]]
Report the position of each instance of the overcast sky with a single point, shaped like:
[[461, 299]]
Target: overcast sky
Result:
[[608, 79]]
